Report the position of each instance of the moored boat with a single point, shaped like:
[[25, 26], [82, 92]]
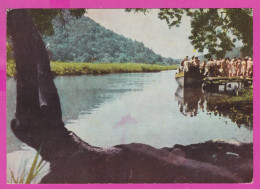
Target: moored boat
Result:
[[189, 79]]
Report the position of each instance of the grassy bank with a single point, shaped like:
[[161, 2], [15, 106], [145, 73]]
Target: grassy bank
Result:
[[238, 108], [72, 68], [245, 96]]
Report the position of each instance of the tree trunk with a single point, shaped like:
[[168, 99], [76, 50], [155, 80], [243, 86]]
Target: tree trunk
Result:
[[38, 113]]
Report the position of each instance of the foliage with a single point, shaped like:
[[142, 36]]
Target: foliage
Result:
[[83, 40], [43, 18], [216, 30], [36, 167]]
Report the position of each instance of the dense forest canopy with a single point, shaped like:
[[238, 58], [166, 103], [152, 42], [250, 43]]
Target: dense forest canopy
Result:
[[83, 40]]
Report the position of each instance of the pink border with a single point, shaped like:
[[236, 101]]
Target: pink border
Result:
[[4, 4]]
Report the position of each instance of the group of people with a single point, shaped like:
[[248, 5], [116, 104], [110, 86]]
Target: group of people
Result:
[[223, 67]]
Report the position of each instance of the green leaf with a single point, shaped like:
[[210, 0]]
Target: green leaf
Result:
[[22, 177], [39, 164], [15, 180], [31, 172], [37, 172]]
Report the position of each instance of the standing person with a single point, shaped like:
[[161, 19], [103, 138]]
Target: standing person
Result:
[[186, 64], [192, 61], [229, 67], [221, 67], [238, 67], [210, 66], [203, 67], [191, 64], [250, 68], [196, 62], [181, 66], [218, 66], [233, 67], [224, 67], [206, 73], [244, 67], [213, 67]]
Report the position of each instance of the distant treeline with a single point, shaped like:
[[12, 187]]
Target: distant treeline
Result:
[[83, 40]]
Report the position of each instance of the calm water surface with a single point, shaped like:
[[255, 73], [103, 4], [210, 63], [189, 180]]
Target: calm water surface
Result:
[[134, 107]]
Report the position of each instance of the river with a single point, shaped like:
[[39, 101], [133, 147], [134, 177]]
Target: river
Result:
[[147, 108], [107, 110]]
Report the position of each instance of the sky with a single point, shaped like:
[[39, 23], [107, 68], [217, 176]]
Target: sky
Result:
[[149, 29]]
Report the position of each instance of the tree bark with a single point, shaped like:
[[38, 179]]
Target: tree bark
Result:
[[38, 111]]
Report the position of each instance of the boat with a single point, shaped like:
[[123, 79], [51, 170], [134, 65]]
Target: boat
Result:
[[189, 79]]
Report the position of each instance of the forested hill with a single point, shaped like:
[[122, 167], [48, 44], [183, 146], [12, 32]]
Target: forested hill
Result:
[[84, 40]]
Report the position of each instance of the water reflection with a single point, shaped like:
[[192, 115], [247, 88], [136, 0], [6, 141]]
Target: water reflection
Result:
[[79, 95], [239, 113], [83, 94], [189, 100], [193, 100]]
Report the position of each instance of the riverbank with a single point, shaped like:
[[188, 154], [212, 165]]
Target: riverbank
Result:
[[73, 68], [238, 108], [215, 161]]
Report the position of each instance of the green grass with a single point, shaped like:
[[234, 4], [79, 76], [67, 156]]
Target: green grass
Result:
[[73, 68], [245, 96], [61, 68]]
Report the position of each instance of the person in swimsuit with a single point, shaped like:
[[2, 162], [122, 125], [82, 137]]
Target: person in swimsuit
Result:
[[244, 67], [250, 68], [238, 67], [224, 67]]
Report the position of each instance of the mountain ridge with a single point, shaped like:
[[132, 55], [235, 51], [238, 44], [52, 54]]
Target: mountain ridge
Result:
[[84, 40]]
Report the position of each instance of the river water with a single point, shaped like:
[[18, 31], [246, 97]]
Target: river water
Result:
[[113, 109], [147, 108]]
